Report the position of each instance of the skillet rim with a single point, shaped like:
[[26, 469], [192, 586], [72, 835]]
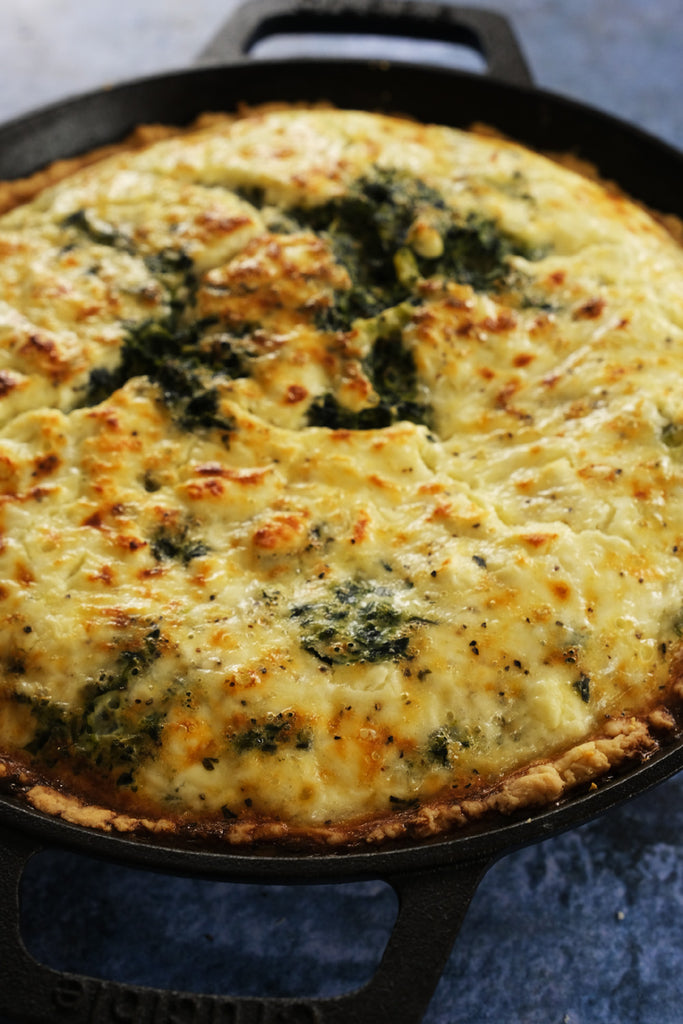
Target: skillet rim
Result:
[[593, 121]]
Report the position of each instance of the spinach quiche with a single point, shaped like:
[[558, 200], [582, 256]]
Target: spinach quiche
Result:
[[341, 482]]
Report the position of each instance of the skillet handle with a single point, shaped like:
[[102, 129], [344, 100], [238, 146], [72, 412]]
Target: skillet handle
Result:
[[487, 32], [432, 905]]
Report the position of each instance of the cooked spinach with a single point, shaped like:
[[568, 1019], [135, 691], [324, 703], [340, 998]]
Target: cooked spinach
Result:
[[327, 411], [390, 369], [192, 404], [98, 231], [357, 621], [169, 261], [175, 350], [170, 265], [254, 194], [475, 252], [443, 741], [109, 729], [174, 270], [269, 736], [369, 230], [150, 345], [354, 304], [116, 736], [365, 228], [171, 357], [372, 220], [176, 544]]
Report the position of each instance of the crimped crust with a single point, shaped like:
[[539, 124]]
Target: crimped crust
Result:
[[538, 786]]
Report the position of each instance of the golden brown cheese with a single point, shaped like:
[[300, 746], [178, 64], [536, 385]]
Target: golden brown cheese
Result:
[[340, 481]]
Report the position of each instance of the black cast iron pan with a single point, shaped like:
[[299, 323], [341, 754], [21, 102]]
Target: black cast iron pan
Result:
[[434, 881]]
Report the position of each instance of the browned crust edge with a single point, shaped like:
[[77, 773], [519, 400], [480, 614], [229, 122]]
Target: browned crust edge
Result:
[[625, 743], [22, 190]]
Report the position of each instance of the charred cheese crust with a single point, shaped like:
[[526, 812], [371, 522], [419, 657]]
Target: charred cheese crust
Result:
[[341, 482]]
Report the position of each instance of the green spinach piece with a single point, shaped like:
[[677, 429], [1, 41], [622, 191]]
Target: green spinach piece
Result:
[[476, 252], [366, 227], [171, 357], [392, 372], [327, 411], [98, 231], [358, 621], [174, 269], [109, 730], [390, 368], [175, 544], [442, 741], [369, 231], [268, 737], [151, 345], [192, 404], [174, 351]]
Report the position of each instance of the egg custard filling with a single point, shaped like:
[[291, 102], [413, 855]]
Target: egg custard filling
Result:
[[341, 482]]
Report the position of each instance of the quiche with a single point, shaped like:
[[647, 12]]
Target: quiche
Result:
[[341, 482]]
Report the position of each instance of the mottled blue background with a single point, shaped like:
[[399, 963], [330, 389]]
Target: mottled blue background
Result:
[[586, 928]]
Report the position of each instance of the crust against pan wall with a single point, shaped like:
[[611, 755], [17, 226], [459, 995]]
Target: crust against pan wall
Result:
[[340, 479], [538, 786]]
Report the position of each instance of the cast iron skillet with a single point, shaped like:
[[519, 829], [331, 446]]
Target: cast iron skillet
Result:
[[436, 880]]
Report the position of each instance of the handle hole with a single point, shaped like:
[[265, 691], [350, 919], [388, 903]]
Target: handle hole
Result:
[[324, 45], [138, 927]]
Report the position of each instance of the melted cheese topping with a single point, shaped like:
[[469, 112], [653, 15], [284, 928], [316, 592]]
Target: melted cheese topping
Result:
[[341, 474]]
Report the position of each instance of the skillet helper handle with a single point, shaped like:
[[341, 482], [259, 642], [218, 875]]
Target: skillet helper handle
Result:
[[487, 32], [432, 905]]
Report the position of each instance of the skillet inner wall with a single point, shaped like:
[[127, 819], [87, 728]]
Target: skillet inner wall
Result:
[[646, 168]]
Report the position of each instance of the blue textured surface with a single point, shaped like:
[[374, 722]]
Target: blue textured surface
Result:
[[585, 928]]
